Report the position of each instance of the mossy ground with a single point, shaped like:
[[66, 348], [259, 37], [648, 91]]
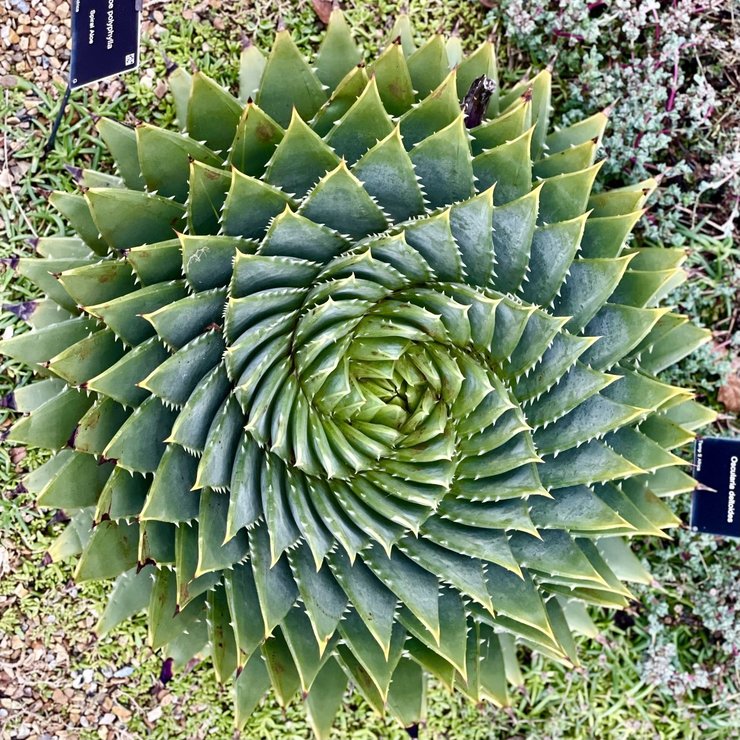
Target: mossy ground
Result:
[[668, 668]]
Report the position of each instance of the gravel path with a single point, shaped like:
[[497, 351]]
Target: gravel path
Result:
[[35, 39]]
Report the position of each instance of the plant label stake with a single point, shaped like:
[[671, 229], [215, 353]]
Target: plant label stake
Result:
[[715, 508], [105, 42], [105, 39]]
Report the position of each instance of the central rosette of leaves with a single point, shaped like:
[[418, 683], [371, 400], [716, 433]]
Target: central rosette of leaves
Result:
[[386, 392], [373, 381]]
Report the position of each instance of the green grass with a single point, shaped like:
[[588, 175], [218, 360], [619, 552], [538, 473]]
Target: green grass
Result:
[[615, 692]]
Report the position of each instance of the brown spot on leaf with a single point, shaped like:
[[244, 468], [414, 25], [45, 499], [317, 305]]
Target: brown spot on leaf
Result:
[[263, 132]]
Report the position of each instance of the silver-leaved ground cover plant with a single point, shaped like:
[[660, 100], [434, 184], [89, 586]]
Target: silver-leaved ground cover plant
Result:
[[344, 388]]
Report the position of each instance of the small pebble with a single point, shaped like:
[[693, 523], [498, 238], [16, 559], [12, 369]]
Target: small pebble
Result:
[[154, 715]]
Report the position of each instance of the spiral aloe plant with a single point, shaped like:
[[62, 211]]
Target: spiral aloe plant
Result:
[[354, 379]]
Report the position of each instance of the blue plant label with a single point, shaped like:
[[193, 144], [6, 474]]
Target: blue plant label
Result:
[[105, 39], [715, 508]]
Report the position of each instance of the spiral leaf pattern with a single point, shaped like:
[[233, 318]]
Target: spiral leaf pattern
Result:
[[342, 389]]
